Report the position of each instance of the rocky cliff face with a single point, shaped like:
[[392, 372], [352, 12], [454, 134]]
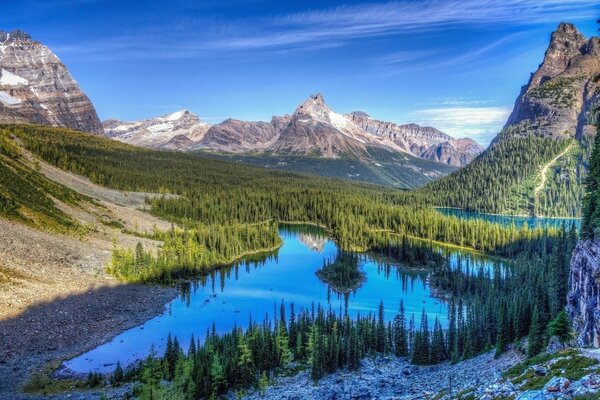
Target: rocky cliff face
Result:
[[175, 131], [237, 136], [584, 297], [314, 129], [421, 141], [36, 87], [555, 101]]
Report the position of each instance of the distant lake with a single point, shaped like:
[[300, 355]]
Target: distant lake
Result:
[[510, 219], [256, 287]]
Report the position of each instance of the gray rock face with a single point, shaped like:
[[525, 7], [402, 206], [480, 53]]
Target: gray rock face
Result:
[[555, 101], [175, 131], [36, 87], [392, 378], [584, 296], [421, 141], [313, 130], [237, 136]]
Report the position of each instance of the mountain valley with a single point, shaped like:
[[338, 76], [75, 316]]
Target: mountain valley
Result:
[[318, 255]]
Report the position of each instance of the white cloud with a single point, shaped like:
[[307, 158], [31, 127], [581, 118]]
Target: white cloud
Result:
[[332, 27], [478, 123]]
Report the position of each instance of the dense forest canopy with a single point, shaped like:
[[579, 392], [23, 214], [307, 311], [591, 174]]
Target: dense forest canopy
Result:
[[223, 210]]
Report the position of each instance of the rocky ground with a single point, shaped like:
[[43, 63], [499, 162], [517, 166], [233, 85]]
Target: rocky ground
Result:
[[56, 301], [390, 378]]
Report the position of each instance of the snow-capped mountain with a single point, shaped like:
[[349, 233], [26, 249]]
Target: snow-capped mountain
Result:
[[313, 129], [176, 131], [36, 87], [316, 129]]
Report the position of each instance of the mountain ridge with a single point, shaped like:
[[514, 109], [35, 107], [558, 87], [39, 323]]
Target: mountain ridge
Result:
[[549, 122]]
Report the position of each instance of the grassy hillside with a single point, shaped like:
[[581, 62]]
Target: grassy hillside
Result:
[[26, 196], [216, 192], [383, 167], [518, 175]]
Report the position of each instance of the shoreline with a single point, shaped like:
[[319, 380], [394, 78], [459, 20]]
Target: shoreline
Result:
[[501, 215]]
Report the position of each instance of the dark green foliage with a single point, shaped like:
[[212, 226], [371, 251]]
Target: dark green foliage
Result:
[[239, 359], [385, 167], [216, 198], [26, 195], [343, 273], [591, 200], [94, 379], [560, 327], [536, 334], [502, 179], [118, 376], [193, 251], [507, 302]]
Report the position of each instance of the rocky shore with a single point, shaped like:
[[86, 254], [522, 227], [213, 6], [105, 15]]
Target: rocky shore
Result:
[[390, 378]]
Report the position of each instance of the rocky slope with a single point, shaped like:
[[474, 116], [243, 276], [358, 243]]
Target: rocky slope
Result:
[[237, 136], [423, 142], [390, 378], [584, 296], [36, 87], [175, 131], [312, 130], [557, 98]]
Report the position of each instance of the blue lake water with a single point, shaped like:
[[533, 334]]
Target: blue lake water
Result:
[[254, 288], [510, 219]]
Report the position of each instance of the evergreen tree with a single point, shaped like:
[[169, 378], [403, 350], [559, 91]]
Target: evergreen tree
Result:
[[400, 334], [536, 336], [560, 327], [591, 199]]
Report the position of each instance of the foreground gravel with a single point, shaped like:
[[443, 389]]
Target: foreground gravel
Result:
[[390, 378]]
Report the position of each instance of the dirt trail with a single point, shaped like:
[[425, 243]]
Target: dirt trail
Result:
[[544, 173]]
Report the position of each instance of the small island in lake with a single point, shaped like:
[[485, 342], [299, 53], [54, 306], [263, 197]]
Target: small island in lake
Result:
[[343, 274]]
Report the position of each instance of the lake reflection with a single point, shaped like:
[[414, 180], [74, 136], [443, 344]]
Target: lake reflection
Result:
[[254, 288]]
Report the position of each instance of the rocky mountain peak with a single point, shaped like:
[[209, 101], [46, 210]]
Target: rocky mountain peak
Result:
[[36, 87], [14, 36], [314, 106], [555, 101], [566, 42]]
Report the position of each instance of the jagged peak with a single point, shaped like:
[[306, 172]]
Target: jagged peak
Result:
[[15, 35], [360, 114], [314, 106], [567, 32]]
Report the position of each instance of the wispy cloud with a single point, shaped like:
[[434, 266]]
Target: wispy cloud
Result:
[[332, 27], [478, 123]]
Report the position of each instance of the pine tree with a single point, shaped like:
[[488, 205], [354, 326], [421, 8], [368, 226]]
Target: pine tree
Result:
[[502, 339], [381, 345], [438, 347], [591, 200], [284, 353], [535, 338], [217, 375], [560, 327], [245, 361], [400, 335]]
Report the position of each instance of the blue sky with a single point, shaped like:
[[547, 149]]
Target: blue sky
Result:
[[455, 65]]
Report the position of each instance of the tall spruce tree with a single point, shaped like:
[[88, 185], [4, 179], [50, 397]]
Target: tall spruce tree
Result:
[[591, 199]]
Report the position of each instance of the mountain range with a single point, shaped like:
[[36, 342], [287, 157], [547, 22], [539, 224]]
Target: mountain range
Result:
[[312, 130], [36, 87]]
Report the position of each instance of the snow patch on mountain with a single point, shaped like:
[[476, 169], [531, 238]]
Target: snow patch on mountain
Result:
[[8, 78], [7, 99]]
